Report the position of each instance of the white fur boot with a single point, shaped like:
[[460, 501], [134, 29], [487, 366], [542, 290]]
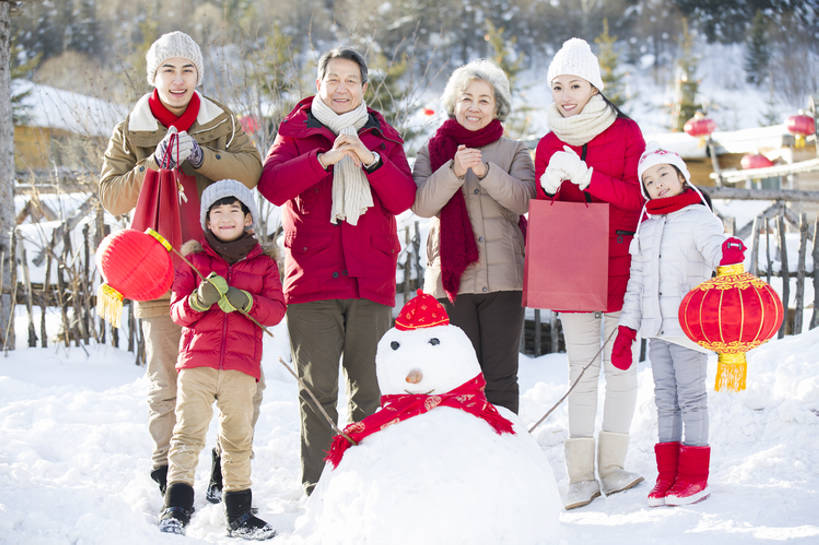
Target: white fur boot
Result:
[[583, 486], [611, 455]]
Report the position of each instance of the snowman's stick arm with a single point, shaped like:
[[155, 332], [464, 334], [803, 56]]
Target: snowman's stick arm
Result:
[[559, 401], [304, 387]]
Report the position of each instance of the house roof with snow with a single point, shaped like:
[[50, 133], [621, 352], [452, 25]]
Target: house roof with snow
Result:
[[49, 107]]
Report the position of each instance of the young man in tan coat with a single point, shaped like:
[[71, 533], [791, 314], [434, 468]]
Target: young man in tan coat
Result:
[[211, 146]]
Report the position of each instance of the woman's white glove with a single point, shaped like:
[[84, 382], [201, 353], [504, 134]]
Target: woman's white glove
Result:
[[573, 167], [551, 179]]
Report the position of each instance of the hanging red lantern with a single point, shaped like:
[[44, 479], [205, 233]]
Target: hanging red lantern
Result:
[[731, 314], [429, 111], [134, 264], [700, 127], [755, 160], [800, 125]]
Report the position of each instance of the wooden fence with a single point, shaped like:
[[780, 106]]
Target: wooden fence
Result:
[[71, 294]]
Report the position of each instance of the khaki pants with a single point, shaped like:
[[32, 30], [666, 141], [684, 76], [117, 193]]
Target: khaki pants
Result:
[[321, 333], [161, 350], [233, 392], [582, 331]]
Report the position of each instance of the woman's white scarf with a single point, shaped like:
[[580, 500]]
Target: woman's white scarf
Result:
[[351, 190], [596, 117]]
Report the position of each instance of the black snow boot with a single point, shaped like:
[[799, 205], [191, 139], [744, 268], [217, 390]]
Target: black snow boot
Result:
[[214, 494], [241, 521], [178, 509], [160, 476]]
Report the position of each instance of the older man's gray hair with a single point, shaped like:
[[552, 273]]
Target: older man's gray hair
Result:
[[484, 70]]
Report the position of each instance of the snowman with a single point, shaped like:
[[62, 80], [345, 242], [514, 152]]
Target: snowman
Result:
[[437, 463]]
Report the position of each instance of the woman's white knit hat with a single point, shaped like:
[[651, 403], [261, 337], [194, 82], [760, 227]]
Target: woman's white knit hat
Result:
[[222, 189], [173, 44], [655, 155], [575, 58]]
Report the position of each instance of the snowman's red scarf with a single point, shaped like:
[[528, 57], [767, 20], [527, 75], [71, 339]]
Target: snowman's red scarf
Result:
[[468, 397]]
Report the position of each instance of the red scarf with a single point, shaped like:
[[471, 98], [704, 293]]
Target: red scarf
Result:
[[458, 246], [166, 117], [672, 204], [468, 397]]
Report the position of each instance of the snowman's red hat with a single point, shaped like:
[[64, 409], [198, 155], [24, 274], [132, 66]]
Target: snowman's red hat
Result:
[[423, 310]]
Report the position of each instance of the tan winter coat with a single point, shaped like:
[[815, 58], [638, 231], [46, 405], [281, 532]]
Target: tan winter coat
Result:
[[494, 204], [228, 153]]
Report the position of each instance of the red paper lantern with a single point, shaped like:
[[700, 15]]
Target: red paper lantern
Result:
[[135, 265], [731, 314], [755, 160], [800, 125], [699, 126], [249, 124], [429, 111]]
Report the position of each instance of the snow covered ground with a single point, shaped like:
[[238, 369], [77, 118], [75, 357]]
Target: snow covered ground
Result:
[[75, 453]]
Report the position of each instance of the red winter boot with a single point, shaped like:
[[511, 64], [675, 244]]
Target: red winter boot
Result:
[[691, 484], [667, 455]]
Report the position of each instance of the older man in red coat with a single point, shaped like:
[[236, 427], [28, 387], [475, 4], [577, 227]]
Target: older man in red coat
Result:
[[340, 173]]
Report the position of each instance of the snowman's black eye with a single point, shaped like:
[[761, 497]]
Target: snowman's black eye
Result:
[[394, 345], [434, 341]]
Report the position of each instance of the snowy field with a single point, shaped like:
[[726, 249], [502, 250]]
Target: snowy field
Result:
[[75, 453]]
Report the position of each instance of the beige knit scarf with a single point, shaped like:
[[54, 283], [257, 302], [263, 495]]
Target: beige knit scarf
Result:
[[596, 117], [351, 190]]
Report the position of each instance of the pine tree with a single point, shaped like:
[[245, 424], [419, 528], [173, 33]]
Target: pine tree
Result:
[[502, 47], [757, 50], [388, 93], [609, 59], [685, 91]]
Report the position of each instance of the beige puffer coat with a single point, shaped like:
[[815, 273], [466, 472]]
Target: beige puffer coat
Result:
[[494, 204], [228, 153]]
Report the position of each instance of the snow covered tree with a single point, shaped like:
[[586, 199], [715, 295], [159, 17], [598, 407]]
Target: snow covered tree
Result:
[[686, 86], [6, 164], [609, 60], [503, 52], [757, 50]]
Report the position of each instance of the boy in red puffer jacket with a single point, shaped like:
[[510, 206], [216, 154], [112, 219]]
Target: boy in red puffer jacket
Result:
[[220, 354], [678, 246]]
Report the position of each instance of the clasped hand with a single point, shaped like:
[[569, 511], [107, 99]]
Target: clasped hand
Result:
[[565, 165], [347, 145], [466, 158]]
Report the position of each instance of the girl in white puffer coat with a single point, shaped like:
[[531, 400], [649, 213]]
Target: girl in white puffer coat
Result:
[[675, 249]]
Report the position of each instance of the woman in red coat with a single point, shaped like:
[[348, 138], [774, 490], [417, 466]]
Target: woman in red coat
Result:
[[591, 155]]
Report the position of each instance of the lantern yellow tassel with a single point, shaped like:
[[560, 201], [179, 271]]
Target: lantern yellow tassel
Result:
[[731, 372], [109, 304]]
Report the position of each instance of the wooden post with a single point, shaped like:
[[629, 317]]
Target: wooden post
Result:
[[76, 296], [814, 320], [800, 275], [45, 295], [786, 278], [61, 301], [9, 342], [132, 343], [768, 250], [32, 332], [407, 291], [757, 225], [554, 334], [419, 270], [87, 320], [538, 349]]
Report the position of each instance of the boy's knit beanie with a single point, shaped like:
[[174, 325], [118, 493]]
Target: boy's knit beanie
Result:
[[226, 188]]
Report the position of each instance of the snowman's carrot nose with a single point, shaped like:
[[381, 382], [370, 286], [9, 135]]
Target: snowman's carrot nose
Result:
[[415, 376]]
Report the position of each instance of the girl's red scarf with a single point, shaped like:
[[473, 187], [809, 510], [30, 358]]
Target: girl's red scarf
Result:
[[168, 118], [458, 246], [672, 204], [468, 397]]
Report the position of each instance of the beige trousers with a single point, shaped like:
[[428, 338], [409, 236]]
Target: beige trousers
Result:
[[233, 392], [582, 331], [161, 349]]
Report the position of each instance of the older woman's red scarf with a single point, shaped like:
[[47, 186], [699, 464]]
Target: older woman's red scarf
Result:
[[458, 246], [468, 397]]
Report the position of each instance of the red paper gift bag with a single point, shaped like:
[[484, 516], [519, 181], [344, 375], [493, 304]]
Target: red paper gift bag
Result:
[[168, 203], [567, 256]]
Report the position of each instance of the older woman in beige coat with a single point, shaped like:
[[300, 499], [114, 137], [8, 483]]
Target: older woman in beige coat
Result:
[[476, 184]]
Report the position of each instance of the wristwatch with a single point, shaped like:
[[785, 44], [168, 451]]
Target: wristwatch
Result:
[[375, 161]]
